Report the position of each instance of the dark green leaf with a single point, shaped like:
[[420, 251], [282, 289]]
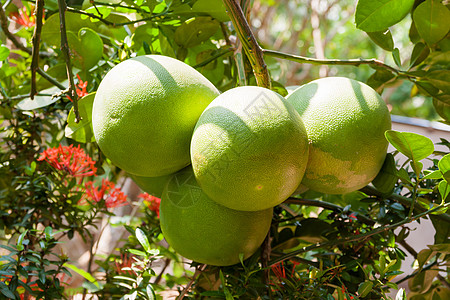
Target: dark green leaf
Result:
[[396, 56], [413, 145], [387, 177], [441, 248], [7, 292], [379, 79], [442, 230], [382, 39], [195, 31], [444, 189], [143, 240], [373, 16], [41, 101], [427, 88], [365, 288], [432, 20], [419, 54], [81, 131], [440, 79]]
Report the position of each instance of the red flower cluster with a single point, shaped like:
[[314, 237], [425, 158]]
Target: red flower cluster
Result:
[[75, 162], [125, 261], [72, 160], [21, 17], [113, 196], [151, 202], [80, 88]]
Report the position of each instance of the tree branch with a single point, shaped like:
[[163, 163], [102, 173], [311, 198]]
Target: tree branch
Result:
[[65, 51], [349, 62], [249, 43], [39, 11], [327, 205]]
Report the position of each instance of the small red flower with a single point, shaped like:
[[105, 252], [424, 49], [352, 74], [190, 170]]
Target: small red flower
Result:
[[125, 261], [108, 191], [21, 17], [151, 202], [72, 160], [80, 88]]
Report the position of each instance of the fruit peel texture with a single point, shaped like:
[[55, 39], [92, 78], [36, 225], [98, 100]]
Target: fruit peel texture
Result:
[[201, 230], [345, 120], [249, 149], [144, 113]]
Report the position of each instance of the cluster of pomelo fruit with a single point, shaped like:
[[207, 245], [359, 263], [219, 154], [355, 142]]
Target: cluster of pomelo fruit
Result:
[[221, 162]]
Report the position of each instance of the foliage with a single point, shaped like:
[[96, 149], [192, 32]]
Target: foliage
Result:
[[56, 186]]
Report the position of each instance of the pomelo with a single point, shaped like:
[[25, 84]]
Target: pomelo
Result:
[[345, 120], [144, 113], [249, 149], [201, 230], [151, 185]]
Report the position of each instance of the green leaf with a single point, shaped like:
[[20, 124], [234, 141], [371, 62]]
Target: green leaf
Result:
[[20, 240], [82, 131], [432, 20], [419, 54], [433, 175], [365, 288], [415, 146], [444, 165], [442, 108], [378, 15], [150, 292], [378, 79], [51, 34], [6, 291], [83, 273], [401, 295], [396, 56], [382, 39], [215, 9], [86, 48], [440, 248], [195, 31], [444, 189], [387, 177], [41, 101], [4, 52], [143, 240], [440, 79]]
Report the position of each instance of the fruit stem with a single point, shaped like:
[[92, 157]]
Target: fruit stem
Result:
[[35, 50], [251, 47]]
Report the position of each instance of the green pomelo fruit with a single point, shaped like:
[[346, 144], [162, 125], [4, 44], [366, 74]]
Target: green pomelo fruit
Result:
[[201, 230], [345, 120], [249, 149], [145, 111], [151, 185]]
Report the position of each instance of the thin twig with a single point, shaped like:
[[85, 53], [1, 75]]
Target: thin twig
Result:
[[249, 43], [349, 62], [213, 58], [112, 24], [327, 205], [65, 50], [197, 273], [36, 42]]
